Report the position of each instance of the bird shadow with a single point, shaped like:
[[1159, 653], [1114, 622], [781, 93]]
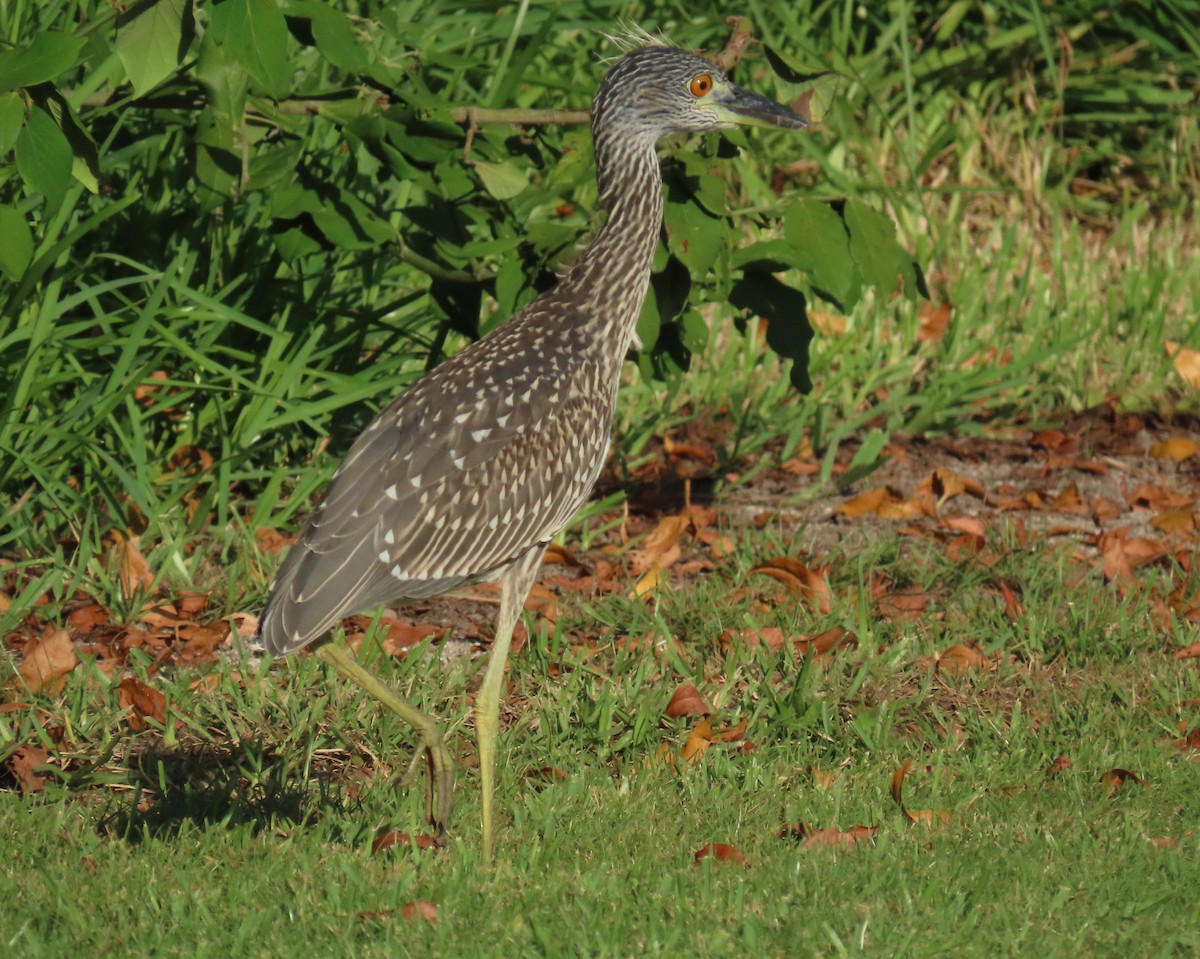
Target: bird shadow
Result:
[[229, 785]]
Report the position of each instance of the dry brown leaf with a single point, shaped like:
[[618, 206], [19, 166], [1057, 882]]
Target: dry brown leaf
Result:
[[840, 838], [907, 605], [143, 703], [811, 584], [933, 320], [23, 763], [864, 503], [1175, 521], [687, 701], [1060, 765], [1114, 779], [647, 584], [394, 839], [1174, 448], [700, 738], [959, 659], [1189, 742], [47, 662], [1188, 652], [419, 910], [829, 641], [1186, 362], [770, 636], [660, 548], [272, 541], [722, 853], [557, 555], [135, 574], [827, 324]]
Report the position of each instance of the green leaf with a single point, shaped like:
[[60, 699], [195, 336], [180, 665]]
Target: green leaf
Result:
[[502, 180], [694, 237], [16, 243], [150, 42], [12, 118], [819, 239], [333, 35], [255, 32], [224, 81], [44, 158], [49, 55], [880, 259]]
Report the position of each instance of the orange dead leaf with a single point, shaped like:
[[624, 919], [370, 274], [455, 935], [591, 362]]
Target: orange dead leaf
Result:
[[419, 910], [1190, 742], [827, 642], [1174, 448], [1114, 779], [143, 703], [1175, 521], [47, 662], [722, 853], [687, 701], [698, 741], [933, 320], [1186, 362], [810, 583], [647, 584], [907, 605], [1188, 652], [393, 839], [560, 556], [944, 484], [840, 838], [23, 765], [135, 573], [927, 816], [959, 659], [770, 636], [660, 548], [827, 324], [1060, 765], [864, 503]]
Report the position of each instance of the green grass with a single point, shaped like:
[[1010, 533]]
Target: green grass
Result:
[[246, 828], [1054, 212]]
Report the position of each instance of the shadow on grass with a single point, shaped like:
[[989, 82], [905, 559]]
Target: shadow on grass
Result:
[[223, 785]]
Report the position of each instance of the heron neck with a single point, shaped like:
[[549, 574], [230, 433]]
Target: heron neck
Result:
[[614, 271]]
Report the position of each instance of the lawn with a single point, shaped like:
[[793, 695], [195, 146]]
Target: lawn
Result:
[[902, 663]]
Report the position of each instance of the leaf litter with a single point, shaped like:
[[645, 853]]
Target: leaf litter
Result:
[[1118, 491]]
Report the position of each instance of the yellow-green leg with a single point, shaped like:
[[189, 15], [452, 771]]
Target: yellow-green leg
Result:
[[515, 583], [440, 787]]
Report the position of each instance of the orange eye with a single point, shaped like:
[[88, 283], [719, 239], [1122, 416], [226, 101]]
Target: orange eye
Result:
[[701, 85]]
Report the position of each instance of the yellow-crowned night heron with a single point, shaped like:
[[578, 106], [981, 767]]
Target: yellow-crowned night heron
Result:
[[468, 475]]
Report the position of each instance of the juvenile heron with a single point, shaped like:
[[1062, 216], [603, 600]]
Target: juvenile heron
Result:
[[470, 473]]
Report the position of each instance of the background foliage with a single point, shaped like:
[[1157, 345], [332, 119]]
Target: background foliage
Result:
[[228, 229]]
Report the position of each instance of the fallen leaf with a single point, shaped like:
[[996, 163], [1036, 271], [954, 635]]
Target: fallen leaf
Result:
[[907, 605], [827, 642], [932, 321], [1174, 448], [1189, 742], [826, 324], [23, 765], [698, 741], [419, 910], [660, 548], [841, 838], [1115, 778], [811, 584], [959, 659], [687, 701], [135, 574], [926, 816], [1060, 765], [47, 662], [648, 584], [143, 703], [401, 840], [1188, 652], [720, 852], [770, 636], [1186, 362], [864, 503]]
